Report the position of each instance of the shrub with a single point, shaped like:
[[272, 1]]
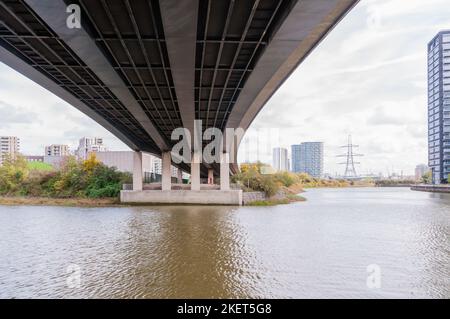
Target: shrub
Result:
[[286, 178], [13, 173], [252, 179], [88, 178]]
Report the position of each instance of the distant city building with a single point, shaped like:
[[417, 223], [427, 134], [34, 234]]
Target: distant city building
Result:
[[57, 150], [439, 107], [421, 169], [124, 161], [157, 167], [9, 146], [308, 158], [88, 145], [280, 161]]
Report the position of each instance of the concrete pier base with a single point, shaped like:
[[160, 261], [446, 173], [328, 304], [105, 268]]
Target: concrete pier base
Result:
[[199, 197]]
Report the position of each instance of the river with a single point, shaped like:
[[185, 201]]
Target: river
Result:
[[340, 243]]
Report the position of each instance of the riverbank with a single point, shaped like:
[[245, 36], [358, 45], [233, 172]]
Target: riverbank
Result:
[[432, 188], [115, 202], [67, 202], [285, 195], [289, 199]]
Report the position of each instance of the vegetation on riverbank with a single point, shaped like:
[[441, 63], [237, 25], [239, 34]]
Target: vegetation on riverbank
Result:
[[394, 183], [75, 179], [425, 179], [257, 177]]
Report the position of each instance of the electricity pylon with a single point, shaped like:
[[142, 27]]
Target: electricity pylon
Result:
[[350, 170]]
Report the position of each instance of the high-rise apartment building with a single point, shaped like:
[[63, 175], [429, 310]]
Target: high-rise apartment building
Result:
[[57, 150], [280, 161], [88, 145], [9, 146], [308, 158], [439, 107]]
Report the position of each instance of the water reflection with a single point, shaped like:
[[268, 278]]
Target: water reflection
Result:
[[320, 248], [193, 252]]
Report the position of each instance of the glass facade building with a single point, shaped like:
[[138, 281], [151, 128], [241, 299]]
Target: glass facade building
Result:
[[308, 158], [439, 107]]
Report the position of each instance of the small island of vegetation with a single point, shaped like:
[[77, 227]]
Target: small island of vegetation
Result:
[[278, 187]]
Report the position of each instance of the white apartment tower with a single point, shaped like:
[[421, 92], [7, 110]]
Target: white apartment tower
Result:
[[9, 146], [280, 159], [57, 150], [88, 145]]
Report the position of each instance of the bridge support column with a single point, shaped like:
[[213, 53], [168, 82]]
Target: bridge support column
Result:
[[166, 178], [137, 171], [224, 172], [180, 176], [210, 176], [195, 172]]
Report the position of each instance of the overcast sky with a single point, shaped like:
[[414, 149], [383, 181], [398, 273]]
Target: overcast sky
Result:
[[367, 78]]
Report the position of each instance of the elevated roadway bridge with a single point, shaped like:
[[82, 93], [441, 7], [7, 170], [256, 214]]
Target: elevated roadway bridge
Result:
[[142, 68]]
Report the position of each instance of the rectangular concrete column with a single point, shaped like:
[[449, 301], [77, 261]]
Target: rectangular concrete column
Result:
[[224, 171], [180, 176], [166, 180], [210, 176], [195, 172], [137, 171]]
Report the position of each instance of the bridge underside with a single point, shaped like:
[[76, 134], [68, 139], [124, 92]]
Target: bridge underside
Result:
[[142, 68]]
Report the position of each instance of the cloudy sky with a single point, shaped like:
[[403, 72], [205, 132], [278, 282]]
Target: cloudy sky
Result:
[[368, 79]]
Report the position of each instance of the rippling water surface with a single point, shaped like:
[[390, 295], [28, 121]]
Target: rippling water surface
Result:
[[319, 248]]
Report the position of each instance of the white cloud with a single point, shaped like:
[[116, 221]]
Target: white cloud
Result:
[[11, 115], [368, 79]]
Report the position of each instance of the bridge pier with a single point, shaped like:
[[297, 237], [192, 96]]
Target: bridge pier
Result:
[[194, 196], [137, 172], [195, 172], [179, 176], [210, 176], [166, 171], [224, 172]]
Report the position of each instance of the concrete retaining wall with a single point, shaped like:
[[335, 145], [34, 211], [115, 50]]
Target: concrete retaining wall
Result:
[[432, 188], [202, 197], [253, 197]]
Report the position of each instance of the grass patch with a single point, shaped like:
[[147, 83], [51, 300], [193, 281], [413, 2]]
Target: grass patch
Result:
[[295, 198], [273, 202], [39, 166], [67, 202]]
